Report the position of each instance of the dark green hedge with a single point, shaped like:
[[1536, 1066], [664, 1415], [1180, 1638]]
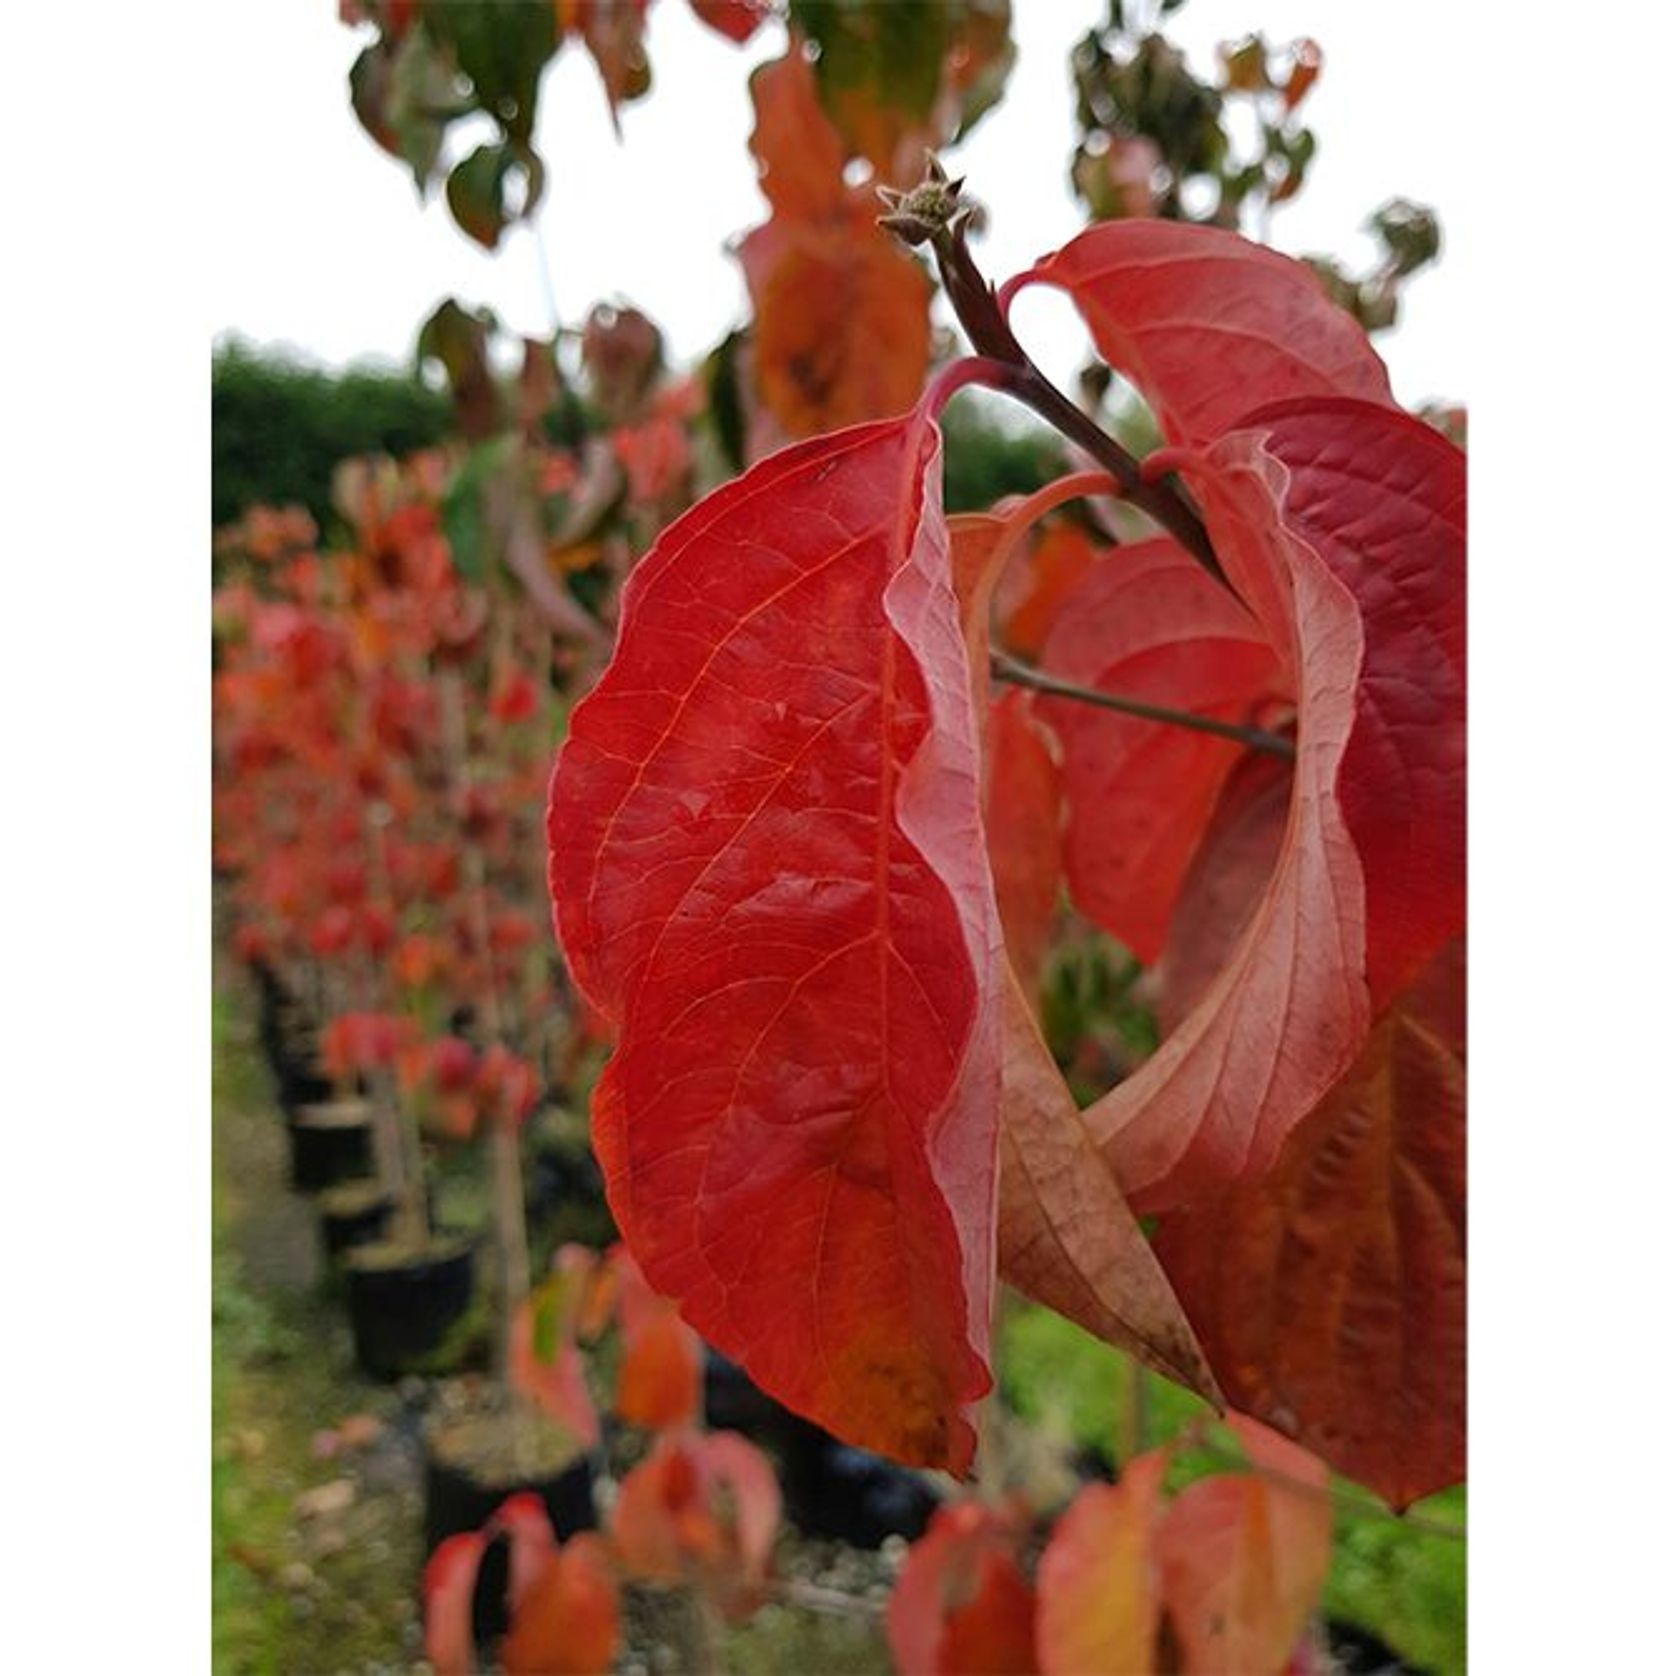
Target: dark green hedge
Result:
[[278, 428]]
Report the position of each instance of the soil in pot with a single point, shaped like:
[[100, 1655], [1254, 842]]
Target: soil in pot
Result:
[[331, 1142], [411, 1309], [473, 1463], [353, 1213]]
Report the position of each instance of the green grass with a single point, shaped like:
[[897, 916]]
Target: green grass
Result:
[[1405, 1583], [286, 1601]]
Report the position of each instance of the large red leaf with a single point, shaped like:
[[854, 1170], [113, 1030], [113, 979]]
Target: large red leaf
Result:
[[1150, 624], [1208, 325], [769, 873], [1098, 1583], [961, 1605], [1244, 1558], [1331, 1292], [1340, 525]]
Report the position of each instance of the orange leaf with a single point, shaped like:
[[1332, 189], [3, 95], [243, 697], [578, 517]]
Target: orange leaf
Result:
[[1031, 594], [660, 1382], [799, 155], [1098, 1580], [703, 1510], [567, 1621], [557, 1385], [843, 329], [1244, 1559]]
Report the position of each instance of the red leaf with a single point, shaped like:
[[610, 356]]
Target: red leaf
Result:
[[1234, 861], [1150, 624], [614, 33], [1331, 1292], [523, 1520], [1381, 497], [703, 1510], [1209, 326], [567, 1623], [1098, 1581], [961, 1604], [450, 1577], [1244, 1558], [739, 20], [769, 872], [1340, 525], [1021, 819]]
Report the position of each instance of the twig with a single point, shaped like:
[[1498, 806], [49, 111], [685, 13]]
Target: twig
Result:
[[1005, 668], [933, 214]]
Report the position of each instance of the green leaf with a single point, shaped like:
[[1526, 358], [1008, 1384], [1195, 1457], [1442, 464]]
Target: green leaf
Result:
[[477, 190], [503, 49], [460, 341], [875, 56], [465, 507]]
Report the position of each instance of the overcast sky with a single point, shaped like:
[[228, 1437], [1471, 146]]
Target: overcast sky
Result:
[[323, 246]]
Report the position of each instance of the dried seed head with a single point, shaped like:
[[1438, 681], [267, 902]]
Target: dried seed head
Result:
[[926, 210]]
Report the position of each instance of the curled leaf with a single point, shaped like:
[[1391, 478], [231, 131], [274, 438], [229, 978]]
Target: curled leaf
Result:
[[1209, 326], [1341, 526]]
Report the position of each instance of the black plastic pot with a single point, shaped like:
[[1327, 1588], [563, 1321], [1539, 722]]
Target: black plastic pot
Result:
[[456, 1500], [301, 1084], [459, 1498], [331, 1142], [353, 1213], [403, 1312]]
